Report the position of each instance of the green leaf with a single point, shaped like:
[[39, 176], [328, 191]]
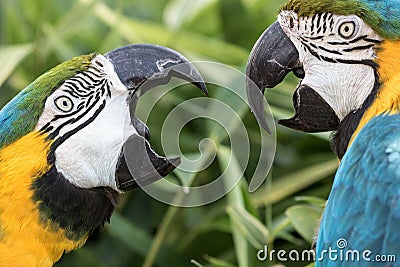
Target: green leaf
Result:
[[281, 227], [136, 31], [132, 236], [56, 41], [221, 225], [290, 238], [232, 26], [10, 57], [179, 12], [287, 185], [304, 219], [215, 262], [255, 232], [316, 201], [231, 168]]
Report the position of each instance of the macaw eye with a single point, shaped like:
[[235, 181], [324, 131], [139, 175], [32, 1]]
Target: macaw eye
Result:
[[64, 103], [347, 29]]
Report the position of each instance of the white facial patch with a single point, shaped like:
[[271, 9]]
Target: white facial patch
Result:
[[336, 53], [96, 127], [345, 87]]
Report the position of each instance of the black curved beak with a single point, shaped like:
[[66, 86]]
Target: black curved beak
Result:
[[139, 165], [271, 59], [147, 66], [140, 68]]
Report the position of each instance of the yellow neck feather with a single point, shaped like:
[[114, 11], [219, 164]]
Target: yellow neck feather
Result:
[[25, 239], [388, 97]]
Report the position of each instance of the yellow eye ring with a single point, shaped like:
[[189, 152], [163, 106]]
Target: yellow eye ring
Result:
[[64, 103], [347, 29]]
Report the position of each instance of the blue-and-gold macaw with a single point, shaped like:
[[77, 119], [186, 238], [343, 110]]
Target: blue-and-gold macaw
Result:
[[347, 54], [63, 146]]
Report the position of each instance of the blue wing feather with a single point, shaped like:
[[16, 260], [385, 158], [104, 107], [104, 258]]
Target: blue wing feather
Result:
[[364, 205]]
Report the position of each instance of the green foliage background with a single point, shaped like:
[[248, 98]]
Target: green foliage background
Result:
[[36, 35]]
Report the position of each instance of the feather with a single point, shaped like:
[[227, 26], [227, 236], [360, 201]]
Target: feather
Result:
[[363, 207]]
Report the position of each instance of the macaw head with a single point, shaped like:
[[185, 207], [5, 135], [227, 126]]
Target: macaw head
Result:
[[69, 144], [344, 51], [85, 108]]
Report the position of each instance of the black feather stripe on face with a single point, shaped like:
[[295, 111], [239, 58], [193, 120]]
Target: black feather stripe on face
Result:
[[90, 89]]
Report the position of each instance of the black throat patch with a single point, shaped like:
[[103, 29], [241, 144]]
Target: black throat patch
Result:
[[79, 211]]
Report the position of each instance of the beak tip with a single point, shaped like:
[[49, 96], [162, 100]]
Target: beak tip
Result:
[[168, 166], [202, 86], [191, 74], [175, 161], [266, 128], [255, 96]]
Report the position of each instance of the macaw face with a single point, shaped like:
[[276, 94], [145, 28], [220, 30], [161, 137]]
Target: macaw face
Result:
[[89, 118], [335, 56]]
